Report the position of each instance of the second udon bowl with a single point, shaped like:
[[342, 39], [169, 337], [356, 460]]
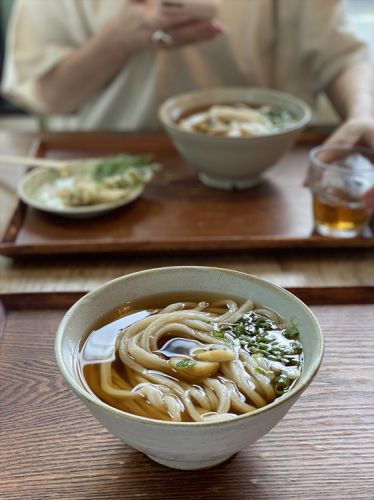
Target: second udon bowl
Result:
[[232, 162], [186, 445]]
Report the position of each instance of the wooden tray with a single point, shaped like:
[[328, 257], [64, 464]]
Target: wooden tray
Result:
[[51, 447], [177, 213]]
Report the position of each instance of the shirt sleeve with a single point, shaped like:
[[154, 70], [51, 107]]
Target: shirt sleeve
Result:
[[327, 41], [37, 40]]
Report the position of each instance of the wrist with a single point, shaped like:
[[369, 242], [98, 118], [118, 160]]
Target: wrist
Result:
[[129, 34], [360, 113], [361, 106]]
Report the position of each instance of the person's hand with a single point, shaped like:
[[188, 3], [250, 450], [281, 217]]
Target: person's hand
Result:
[[353, 132], [174, 29], [192, 31], [178, 31], [368, 199]]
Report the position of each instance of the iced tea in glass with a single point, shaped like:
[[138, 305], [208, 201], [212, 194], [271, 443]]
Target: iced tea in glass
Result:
[[338, 177]]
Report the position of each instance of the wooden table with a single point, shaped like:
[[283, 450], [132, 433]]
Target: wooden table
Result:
[[285, 268], [328, 451]]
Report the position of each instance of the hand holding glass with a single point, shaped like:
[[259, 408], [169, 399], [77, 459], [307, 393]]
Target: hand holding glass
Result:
[[338, 177]]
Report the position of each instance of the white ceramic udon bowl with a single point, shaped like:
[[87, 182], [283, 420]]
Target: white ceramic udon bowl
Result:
[[232, 162], [185, 445]]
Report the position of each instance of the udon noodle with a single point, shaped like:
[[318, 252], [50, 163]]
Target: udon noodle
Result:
[[192, 361], [237, 120]]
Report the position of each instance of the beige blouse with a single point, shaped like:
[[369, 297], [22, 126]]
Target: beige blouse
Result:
[[293, 45]]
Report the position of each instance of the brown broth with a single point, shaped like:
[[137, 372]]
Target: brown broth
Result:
[[98, 347], [92, 350]]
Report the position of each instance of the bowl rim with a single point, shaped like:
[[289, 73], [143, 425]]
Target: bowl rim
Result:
[[346, 148], [92, 399], [299, 124]]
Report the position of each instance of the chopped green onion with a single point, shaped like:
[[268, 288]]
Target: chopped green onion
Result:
[[297, 347], [281, 383], [186, 363], [291, 333], [260, 370], [218, 334], [263, 338], [240, 330]]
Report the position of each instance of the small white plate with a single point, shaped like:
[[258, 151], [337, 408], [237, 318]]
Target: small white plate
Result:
[[31, 186]]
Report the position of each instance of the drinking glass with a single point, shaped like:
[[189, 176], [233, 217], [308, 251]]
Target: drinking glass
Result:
[[338, 177]]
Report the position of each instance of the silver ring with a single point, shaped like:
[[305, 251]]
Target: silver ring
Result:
[[162, 38]]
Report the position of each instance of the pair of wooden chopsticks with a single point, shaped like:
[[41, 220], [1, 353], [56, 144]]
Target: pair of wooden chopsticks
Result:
[[37, 162]]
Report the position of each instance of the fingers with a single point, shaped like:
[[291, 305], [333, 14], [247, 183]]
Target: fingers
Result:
[[181, 28], [344, 135], [152, 19], [368, 199], [351, 133], [169, 21], [166, 21], [354, 131], [331, 155], [194, 32]]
